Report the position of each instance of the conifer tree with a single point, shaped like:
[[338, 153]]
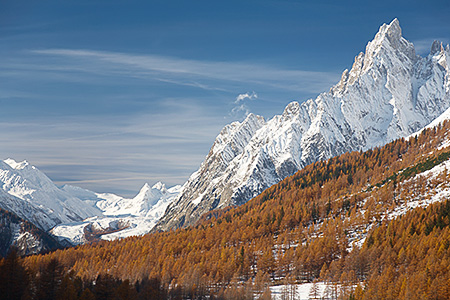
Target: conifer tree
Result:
[[14, 278]]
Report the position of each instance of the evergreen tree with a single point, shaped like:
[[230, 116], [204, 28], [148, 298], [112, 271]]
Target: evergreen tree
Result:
[[49, 280], [14, 279], [87, 295]]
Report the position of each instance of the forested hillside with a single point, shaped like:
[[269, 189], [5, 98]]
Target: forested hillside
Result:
[[375, 223]]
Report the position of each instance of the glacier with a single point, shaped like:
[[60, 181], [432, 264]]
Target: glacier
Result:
[[121, 217], [70, 212]]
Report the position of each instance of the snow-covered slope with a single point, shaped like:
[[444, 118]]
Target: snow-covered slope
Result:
[[31, 195], [150, 201], [75, 214], [389, 92], [121, 217]]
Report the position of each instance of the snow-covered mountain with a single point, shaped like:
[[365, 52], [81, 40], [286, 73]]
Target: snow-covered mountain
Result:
[[75, 214], [149, 202], [121, 217], [31, 195], [389, 92]]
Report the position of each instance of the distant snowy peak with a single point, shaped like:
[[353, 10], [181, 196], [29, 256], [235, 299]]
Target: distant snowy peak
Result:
[[389, 92], [151, 195], [16, 172], [72, 212], [34, 197], [147, 195], [157, 186], [141, 205], [17, 165], [149, 202], [122, 217]]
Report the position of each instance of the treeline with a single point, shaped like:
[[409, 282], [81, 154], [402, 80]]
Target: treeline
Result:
[[53, 282], [302, 229]]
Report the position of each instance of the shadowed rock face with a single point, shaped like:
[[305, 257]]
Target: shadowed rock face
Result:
[[24, 236], [389, 92]]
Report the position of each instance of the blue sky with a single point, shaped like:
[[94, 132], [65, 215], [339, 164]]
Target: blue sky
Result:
[[108, 95]]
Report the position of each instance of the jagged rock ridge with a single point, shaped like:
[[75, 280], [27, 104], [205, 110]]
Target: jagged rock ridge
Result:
[[390, 92]]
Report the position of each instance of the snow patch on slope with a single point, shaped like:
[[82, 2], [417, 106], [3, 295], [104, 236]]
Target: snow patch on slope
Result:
[[306, 291], [437, 193]]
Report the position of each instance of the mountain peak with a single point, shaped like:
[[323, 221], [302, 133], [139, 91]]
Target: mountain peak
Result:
[[158, 186], [436, 47], [394, 27], [291, 109], [144, 191], [390, 92], [391, 31], [148, 193], [17, 165], [252, 118], [37, 199]]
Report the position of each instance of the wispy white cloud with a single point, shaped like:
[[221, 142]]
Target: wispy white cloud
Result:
[[240, 111], [189, 72], [164, 138], [249, 96], [104, 155]]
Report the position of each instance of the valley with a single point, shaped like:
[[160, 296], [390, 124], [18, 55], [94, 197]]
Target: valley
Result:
[[342, 196]]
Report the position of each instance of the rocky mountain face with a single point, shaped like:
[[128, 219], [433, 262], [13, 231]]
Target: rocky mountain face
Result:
[[22, 235], [390, 92]]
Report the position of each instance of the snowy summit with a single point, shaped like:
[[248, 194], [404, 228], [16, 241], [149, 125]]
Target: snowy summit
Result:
[[390, 92]]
